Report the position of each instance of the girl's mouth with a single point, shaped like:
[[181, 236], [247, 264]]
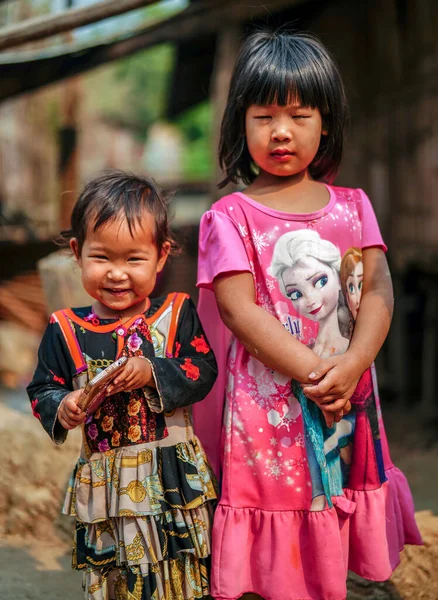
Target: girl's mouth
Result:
[[316, 311], [117, 292], [282, 155]]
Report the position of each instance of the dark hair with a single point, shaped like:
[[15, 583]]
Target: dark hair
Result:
[[279, 67], [114, 194]]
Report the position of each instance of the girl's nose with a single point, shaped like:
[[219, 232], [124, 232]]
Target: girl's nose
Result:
[[116, 274], [281, 133]]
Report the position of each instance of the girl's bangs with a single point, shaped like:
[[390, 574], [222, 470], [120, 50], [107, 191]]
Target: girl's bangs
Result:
[[283, 84]]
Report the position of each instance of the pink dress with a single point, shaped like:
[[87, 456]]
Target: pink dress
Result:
[[272, 459]]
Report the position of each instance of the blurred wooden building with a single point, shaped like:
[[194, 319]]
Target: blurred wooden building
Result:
[[387, 51]]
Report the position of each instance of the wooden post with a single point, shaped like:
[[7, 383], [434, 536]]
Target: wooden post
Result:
[[68, 160], [228, 43]]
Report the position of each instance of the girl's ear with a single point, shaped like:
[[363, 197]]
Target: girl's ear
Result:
[[74, 246], [165, 249]]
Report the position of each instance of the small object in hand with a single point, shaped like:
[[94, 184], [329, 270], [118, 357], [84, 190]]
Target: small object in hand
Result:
[[94, 392]]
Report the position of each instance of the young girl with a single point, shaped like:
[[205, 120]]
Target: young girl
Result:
[[282, 136], [141, 491]]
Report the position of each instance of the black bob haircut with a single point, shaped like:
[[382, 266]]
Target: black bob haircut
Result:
[[280, 67], [118, 194]]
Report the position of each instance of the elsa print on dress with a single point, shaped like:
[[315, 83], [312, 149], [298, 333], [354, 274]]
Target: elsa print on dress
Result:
[[307, 270]]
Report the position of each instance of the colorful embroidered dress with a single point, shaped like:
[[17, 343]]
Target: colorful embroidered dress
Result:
[[141, 491], [272, 448]]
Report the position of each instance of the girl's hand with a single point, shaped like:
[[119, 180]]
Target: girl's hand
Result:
[[336, 379], [69, 414], [135, 374]]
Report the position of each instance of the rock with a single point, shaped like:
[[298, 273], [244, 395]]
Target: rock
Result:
[[61, 280]]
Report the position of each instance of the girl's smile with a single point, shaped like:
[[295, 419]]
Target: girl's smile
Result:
[[120, 267]]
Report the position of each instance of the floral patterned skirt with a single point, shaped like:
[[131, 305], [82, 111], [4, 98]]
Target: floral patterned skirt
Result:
[[143, 522]]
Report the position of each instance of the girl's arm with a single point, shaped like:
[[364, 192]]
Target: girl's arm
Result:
[[262, 334], [187, 376], [341, 373], [52, 382]]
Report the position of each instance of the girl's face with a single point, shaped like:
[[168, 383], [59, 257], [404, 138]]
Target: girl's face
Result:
[[119, 270], [283, 140], [313, 287], [354, 289]]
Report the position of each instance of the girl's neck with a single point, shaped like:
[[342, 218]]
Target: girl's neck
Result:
[[296, 194], [104, 312]]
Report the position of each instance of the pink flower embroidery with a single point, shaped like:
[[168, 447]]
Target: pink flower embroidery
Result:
[[121, 331], [103, 446], [92, 318], [134, 342], [92, 431], [34, 412]]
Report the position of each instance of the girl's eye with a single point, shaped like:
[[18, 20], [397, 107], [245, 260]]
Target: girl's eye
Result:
[[351, 288], [297, 117], [99, 256], [135, 259], [294, 295], [360, 285], [321, 282], [262, 117]]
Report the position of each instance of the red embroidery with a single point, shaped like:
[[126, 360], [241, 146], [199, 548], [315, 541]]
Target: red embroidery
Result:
[[35, 414], [144, 330], [60, 380], [200, 344], [177, 349], [192, 371]]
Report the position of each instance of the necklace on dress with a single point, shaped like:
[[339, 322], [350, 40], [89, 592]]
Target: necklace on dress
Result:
[[119, 328]]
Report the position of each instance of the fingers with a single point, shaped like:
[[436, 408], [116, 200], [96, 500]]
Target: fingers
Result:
[[326, 399], [322, 368], [69, 414], [335, 406]]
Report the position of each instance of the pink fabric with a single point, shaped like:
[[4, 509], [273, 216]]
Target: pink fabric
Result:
[[209, 419], [220, 249], [371, 235], [265, 538], [310, 552]]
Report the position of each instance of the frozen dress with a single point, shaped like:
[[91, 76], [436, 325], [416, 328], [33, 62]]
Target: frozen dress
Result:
[[259, 436], [141, 491]]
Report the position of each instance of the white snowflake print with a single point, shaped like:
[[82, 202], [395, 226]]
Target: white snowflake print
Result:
[[260, 240], [299, 440], [274, 468], [295, 464], [264, 299], [270, 284], [242, 229]]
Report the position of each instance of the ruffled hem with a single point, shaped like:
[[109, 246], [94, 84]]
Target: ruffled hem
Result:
[[133, 541], [139, 481], [182, 578], [311, 552]]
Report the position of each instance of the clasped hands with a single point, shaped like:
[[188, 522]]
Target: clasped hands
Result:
[[335, 380], [135, 374]]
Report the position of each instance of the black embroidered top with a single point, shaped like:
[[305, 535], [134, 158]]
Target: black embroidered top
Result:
[[77, 345]]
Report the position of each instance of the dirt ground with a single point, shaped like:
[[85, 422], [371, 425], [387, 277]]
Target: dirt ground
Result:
[[35, 545]]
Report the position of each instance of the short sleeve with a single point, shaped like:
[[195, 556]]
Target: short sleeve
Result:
[[221, 248], [371, 236]]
